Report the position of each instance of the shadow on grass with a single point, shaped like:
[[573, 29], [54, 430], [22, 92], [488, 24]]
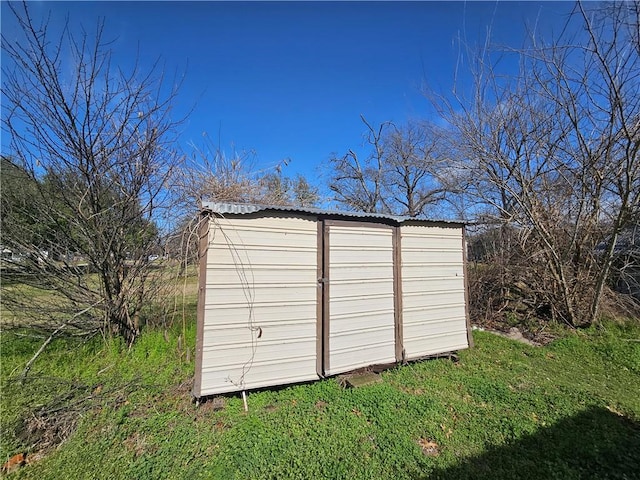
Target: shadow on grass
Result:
[[595, 444]]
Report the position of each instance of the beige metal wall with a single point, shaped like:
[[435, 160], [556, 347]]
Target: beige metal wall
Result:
[[361, 305], [260, 303], [433, 290], [265, 318]]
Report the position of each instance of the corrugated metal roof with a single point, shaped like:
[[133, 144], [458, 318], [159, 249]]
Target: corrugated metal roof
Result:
[[247, 208]]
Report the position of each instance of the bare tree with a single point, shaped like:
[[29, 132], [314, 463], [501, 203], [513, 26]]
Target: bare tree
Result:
[[278, 189], [554, 152], [399, 174], [413, 163], [213, 175], [357, 183], [94, 144]]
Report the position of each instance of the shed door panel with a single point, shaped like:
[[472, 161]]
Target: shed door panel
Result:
[[361, 302], [259, 326], [433, 290]]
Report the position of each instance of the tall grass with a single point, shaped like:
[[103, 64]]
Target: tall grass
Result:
[[503, 410]]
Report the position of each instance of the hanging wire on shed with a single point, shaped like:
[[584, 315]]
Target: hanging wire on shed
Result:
[[244, 271]]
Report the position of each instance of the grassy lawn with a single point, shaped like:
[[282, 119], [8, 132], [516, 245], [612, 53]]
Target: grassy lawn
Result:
[[505, 410], [49, 307]]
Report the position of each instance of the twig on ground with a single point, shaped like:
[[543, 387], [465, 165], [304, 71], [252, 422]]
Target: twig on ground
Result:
[[27, 367]]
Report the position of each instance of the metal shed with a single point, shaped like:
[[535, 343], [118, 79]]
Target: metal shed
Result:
[[290, 295]]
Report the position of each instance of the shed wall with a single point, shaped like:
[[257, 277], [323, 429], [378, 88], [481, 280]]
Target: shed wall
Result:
[[286, 297], [361, 305], [259, 325], [433, 290]]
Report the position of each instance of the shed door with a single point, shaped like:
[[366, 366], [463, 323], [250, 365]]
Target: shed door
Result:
[[359, 296], [433, 290]]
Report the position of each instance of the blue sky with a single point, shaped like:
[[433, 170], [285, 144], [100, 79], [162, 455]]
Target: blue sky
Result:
[[291, 79]]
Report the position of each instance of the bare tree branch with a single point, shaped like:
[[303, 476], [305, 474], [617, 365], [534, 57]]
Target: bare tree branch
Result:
[[94, 147], [399, 175], [553, 152]]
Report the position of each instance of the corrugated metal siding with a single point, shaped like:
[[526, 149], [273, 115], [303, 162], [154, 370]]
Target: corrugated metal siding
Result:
[[433, 290], [361, 323], [246, 209], [260, 303], [264, 321]]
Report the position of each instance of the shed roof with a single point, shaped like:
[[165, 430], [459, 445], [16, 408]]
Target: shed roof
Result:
[[247, 208]]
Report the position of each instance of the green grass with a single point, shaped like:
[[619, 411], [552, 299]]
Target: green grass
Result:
[[505, 410], [166, 283]]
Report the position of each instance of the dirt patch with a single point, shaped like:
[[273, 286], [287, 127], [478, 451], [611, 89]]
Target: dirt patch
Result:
[[513, 334], [361, 379], [429, 447], [47, 430], [137, 443]]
